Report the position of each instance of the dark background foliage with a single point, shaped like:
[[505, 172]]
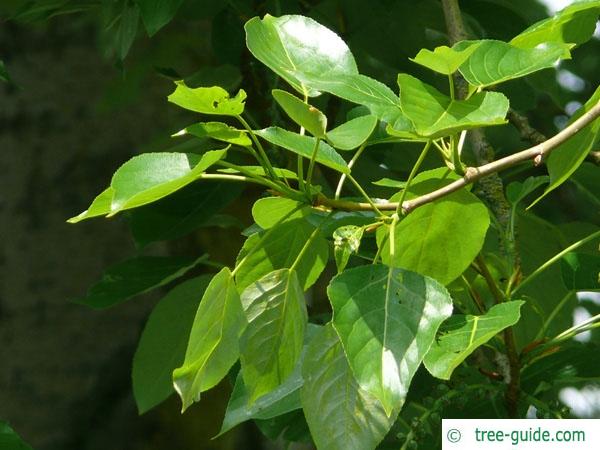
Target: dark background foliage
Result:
[[80, 102]]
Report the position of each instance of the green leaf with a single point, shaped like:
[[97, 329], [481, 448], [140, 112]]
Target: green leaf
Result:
[[356, 88], [460, 335], [157, 13], [346, 241], [259, 170], [386, 319], [269, 211], [213, 346], [281, 400], [128, 25], [435, 115], [99, 207], [388, 182], [573, 25], [304, 146], [279, 250], [208, 100], [444, 60], [517, 191], [426, 239], [218, 131], [151, 176], [161, 348], [297, 48], [340, 414], [494, 62], [566, 158], [309, 117], [10, 440], [182, 212], [272, 343], [581, 271], [4, 75], [353, 133], [136, 276]]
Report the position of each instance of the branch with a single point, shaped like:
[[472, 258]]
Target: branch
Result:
[[521, 123], [537, 153]]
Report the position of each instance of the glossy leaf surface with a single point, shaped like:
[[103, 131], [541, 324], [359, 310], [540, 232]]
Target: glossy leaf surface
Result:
[[353, 133], [272, 343], [213, 346], [309, 117], [161, 348], [279, 250], [208, 100], [297, 48], [387, 320], [151, 176], [434, 114], [218, 131], [460, 336], [495, 61], [443, 59]]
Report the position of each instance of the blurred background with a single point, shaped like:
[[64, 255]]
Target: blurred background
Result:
[[85, 89]]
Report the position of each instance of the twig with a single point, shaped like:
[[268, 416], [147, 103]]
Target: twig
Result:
[[521, 123], [537, 153]]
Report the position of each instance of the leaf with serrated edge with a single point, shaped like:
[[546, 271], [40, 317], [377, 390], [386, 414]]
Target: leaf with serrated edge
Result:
[[340, 415], [272, 343], [386, 319], [460, 336], [214, 340]]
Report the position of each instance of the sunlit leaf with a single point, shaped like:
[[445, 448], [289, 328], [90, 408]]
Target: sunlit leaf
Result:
[[272, 343], [208, 100], [353, 133], [460, 335], [304, 146], [495, 61], [386, 319], [346, 241], [340, 414], [213, 346], [270, 211], [218, 131], [434, 114], [443, 59], [309, 117]]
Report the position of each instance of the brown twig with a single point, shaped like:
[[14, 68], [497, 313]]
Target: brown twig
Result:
[[537, 154], [521, 123]]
